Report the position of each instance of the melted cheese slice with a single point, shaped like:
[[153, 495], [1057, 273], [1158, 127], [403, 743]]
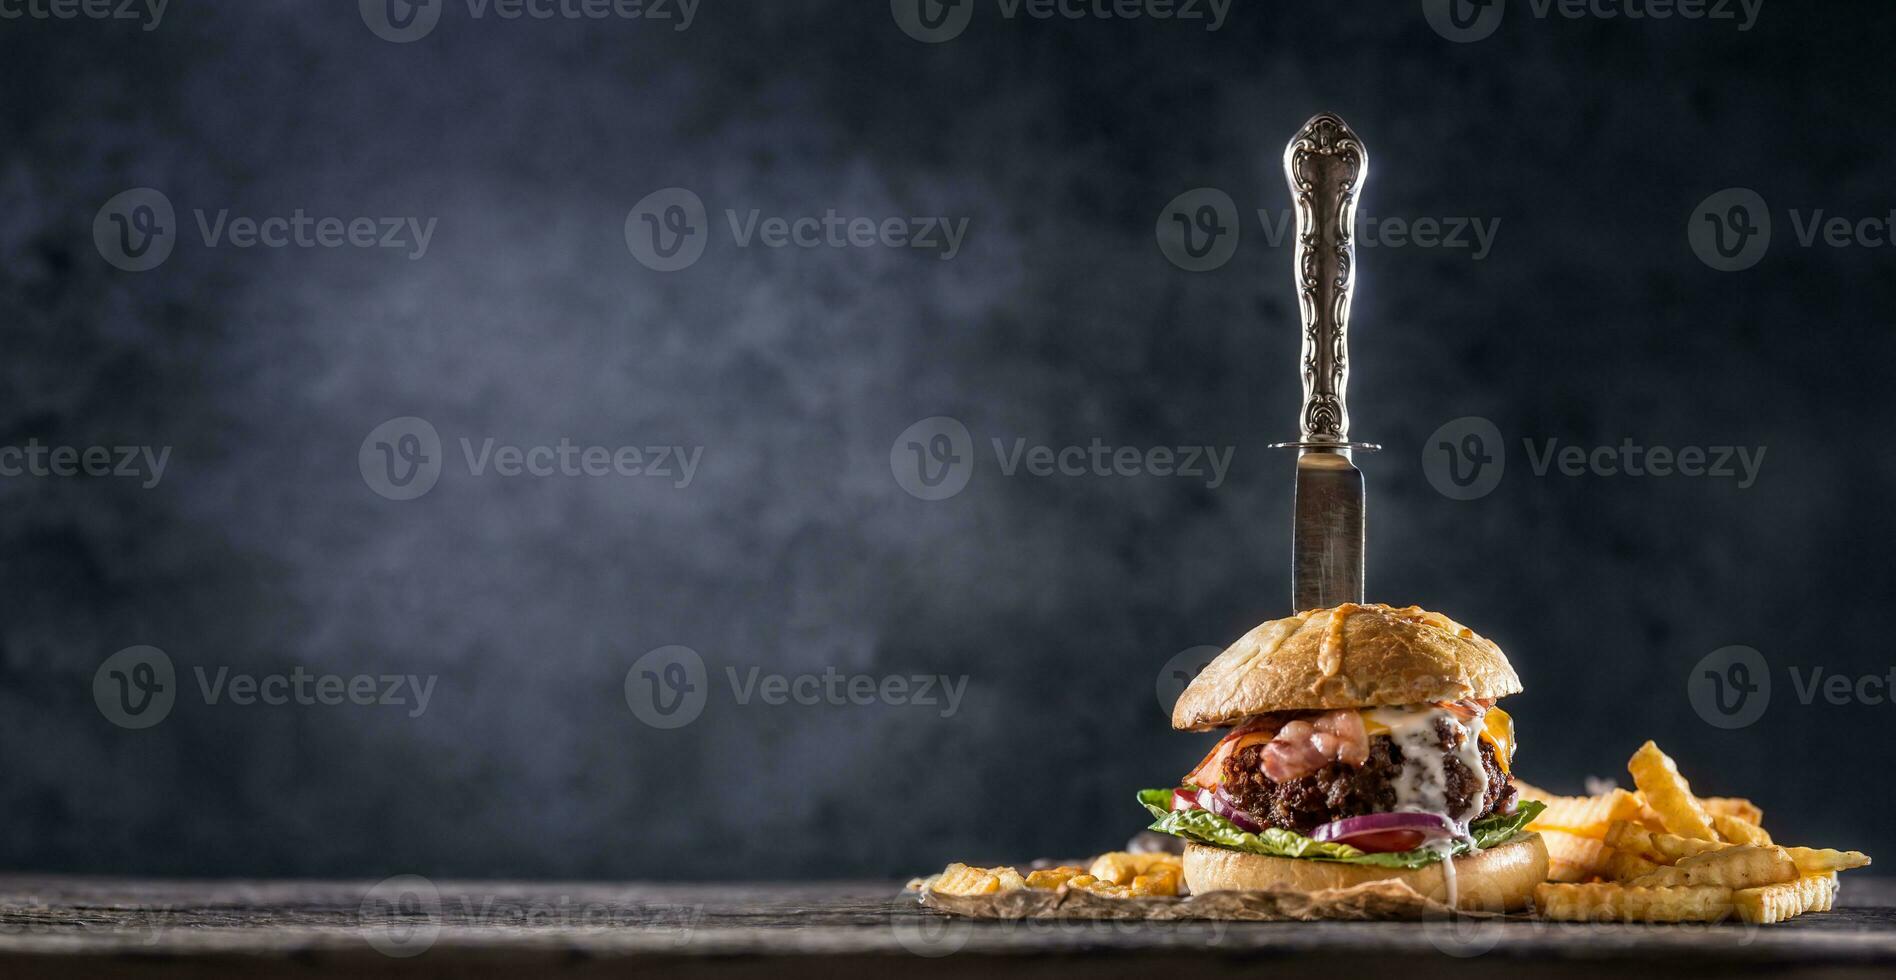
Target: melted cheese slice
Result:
[[1497, 729]]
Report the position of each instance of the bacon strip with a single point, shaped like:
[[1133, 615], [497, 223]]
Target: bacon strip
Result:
[[1210, 769], [1295, 749], [1352, 739], [1294, 754]]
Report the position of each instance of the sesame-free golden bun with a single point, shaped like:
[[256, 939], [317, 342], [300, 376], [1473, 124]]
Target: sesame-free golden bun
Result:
[[1351, 656], [1497, 879]]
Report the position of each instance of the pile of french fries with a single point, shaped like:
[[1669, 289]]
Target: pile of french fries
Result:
[[1661, 854], [1119, 874]]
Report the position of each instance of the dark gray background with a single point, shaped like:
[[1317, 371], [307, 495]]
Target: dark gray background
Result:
[[794, 549]]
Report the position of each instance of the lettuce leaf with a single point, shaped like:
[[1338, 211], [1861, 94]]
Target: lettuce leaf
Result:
[[1206, 827]]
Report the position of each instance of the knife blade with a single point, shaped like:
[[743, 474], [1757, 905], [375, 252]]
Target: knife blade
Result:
[[1326, 165], [1326, 563]]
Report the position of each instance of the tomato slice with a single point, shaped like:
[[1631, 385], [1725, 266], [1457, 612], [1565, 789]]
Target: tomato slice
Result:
[[1386, 841]]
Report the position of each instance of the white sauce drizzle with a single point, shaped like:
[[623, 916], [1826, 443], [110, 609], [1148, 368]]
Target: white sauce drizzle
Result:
[[1422, 787], [1444, 848]]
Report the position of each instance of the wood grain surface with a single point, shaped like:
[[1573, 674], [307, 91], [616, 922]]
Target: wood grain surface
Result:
[[108, 928]]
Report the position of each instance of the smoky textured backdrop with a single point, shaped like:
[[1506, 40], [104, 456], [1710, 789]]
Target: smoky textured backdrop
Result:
[[1082, 285]]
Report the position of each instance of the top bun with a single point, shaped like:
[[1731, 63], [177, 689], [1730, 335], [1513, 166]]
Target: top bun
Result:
[[1352, 656]]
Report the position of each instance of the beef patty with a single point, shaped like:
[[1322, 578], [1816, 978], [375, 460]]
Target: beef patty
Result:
[[1340, 790]]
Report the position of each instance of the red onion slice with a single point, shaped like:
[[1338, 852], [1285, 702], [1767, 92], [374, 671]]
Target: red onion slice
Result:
[[1432, 826], [1220, 804]]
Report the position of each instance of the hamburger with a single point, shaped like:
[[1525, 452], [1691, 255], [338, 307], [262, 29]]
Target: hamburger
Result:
[[1363, 744]]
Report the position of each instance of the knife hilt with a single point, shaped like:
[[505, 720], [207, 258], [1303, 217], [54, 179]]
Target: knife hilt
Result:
[[1326, 165]]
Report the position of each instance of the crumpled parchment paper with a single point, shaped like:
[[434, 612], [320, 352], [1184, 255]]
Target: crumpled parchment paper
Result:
[[1376, 900]]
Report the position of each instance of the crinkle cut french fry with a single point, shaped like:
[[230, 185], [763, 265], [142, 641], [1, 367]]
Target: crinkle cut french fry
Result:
[[1657, 776], [1716, 806], [1738, 830], [1628, 837], [1627, 865], [1161, 880], [1564, 873], [1120, 867], [1588, 816], [1670, 856], [1658, 847], [1608, 902], [1733, 806], [1571, 857], [960, 879], [1049, 879], [1115, 875], [1775, 903], [1738, 866], [1649, 817], [1813, 860]]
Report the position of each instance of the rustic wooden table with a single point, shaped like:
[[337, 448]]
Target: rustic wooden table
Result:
[[108, 928]]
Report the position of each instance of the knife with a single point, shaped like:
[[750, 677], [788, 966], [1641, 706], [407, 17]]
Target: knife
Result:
[[1326, 165]]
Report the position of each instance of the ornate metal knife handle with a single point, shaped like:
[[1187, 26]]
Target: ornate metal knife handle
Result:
[[1326, 166]]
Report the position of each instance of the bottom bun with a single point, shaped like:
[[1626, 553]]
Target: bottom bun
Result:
[[1501, 878]]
